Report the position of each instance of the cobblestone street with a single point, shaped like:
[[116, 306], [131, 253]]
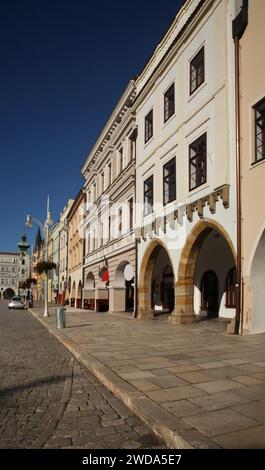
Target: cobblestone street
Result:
[[49, 400]]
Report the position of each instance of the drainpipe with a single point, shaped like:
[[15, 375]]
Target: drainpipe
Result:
[[239, 25]]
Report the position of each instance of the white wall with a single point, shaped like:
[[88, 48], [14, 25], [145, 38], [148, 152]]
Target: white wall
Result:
[[210, 109], [257, 283]]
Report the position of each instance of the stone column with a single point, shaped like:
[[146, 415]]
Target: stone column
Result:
[[183, 312], [101, 294], [144, 311]]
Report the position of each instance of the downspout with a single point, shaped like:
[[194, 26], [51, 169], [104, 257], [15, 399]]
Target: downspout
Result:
[[239, 25]]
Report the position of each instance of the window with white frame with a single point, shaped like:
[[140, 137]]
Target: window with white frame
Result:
[[130, 207], [109, 173], [120, 221], [102, 181], [148, 126], [198, 162], [197, 71], [169, 102], [148, 195], [121, 156]]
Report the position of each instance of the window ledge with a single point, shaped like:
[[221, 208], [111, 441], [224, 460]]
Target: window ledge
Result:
[[198, 189], [257, 163], [195, 92], [149, 141], [169, 120]]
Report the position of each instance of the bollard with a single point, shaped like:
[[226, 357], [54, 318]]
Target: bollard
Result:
[[60, 317]]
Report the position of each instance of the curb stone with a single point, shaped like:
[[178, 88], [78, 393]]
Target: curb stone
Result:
[[149, 411]]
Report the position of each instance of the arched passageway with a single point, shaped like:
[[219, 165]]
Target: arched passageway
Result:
[[210, 293], [156, 282], [9, 293], [122, 288], [257, 285], [205, 263], [89, 292], [73, 294], [78, 302]]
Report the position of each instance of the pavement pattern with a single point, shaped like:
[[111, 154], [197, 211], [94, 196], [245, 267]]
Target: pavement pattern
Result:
[[194, 385], [49, 400]]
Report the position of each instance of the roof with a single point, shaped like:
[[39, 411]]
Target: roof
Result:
[[78, 199]]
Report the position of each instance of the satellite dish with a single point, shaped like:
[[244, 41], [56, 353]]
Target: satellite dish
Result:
[[128, 272]]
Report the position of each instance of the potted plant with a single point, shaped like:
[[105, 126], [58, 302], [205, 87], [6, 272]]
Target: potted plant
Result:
[[45, 266]]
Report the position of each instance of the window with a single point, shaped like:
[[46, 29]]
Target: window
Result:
[[231, 288], [130, 202], [121, 159], [94, 192], [148, 195], [131, 149], [197, 71], [102, 181], [169, 181], [120, 220], [197, 162], [260, 130], [109, 173], [93, 241], [148, 126], [87, 241], [169, 102], [109, 223], [101, 233]]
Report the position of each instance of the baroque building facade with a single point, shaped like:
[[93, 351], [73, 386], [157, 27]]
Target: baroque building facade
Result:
[[9, 274], [63, 256], [54, 256], [185, 168], [75, 250], [252, 141], [109, 173]]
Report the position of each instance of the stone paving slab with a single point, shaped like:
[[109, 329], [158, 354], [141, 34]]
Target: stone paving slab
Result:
[[142, 362], [253, 438], [219, 422]]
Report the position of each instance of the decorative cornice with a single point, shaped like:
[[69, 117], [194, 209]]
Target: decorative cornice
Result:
[[150, 229]]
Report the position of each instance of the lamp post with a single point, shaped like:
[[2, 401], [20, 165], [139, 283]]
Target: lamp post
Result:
[[23, 246], [45, 231]]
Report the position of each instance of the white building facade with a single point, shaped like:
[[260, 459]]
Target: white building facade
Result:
[[185, 168], [109, 173]]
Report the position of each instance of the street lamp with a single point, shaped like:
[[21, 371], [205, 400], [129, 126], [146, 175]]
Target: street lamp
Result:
[[45, 233]]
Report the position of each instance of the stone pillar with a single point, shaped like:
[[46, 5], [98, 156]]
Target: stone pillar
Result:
[[117, 299], [101, 297], [183, 312], [88, 302], [144, 311]]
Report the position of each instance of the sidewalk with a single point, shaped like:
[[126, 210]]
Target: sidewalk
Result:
[[194, 385]]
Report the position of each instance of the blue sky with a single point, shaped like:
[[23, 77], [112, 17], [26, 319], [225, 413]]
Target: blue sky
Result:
[[64, 64]]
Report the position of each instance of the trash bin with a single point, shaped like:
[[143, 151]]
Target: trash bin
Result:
[[60, 317]]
